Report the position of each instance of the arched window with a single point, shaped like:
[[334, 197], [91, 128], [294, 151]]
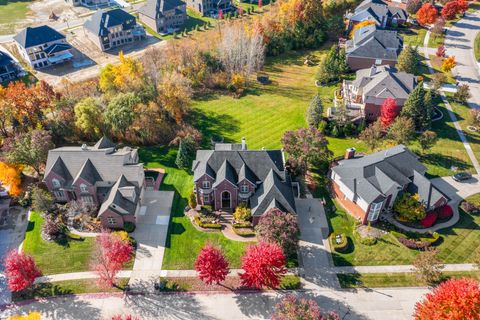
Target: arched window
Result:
[[55, 183], [83, 188]]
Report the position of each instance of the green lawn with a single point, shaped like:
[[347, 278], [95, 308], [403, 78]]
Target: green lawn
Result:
[[184, 241], [457, 245], [413, 36], [477, 47], [10, 13], [406, 279], [52, 257], [475, 199]]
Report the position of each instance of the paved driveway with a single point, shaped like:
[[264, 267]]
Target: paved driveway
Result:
[[151, 235], [458, 190]]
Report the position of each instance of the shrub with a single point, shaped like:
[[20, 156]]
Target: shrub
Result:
[[343, 245], [129, 227], [244, 232], [409, 208], [444, 212], [51, 228], [290, 282], [429, 219], [412, 244], [192, 200], [469, 207], [242, 225], [207, 225], [207, 209], [242, 213], [368, 241]]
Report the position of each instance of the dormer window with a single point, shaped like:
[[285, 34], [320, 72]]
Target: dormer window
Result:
[[56, 183], [244, 188], [83, 188], [206, 184]]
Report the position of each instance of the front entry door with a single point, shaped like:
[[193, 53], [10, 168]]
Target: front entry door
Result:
[[226, 199]]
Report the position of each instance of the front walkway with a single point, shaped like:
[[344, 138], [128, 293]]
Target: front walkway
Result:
[[151, 235], [400, 268]]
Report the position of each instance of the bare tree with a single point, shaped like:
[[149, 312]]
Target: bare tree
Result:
[[241, 52]]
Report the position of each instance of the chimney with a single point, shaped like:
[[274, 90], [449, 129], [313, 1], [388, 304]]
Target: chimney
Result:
[[84, 147], [350, 153], [244, 144], [373, 70]]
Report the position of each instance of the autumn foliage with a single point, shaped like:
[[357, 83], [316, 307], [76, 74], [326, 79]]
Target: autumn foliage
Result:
[[448, 64], [292, 308], [388, 112], [450, 10], [33, 315], [20, 270], [440, 51], [427, 14], [211, 265], [112, 254], [455, 299], [263, 265], [360, 25], [11, 179]]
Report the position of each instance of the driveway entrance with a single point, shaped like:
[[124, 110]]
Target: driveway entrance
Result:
[[151, 235]]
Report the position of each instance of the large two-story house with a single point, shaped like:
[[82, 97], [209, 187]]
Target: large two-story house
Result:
[[110, 29], [371, 45], [101, 175], [9, 69], [364, 96], [43, 46], [231, 175], [369, 185], [379, 12], [210, 7], [163, 16]]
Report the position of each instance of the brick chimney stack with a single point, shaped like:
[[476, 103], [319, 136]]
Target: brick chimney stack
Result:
[[350, 153]]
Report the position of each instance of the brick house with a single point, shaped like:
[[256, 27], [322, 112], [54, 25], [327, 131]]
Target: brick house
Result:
[[364, 96], [101, 175], [43, 46], [371, 45], [163, 16], [378, 11], [369, 185], [231, 175], [113, 28]]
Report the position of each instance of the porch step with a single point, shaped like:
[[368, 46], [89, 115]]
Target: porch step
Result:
[[226, 217]]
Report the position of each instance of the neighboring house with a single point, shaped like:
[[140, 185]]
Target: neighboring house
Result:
[[113, 28], [43, 46], [378, 11], [100, 175], [369, 185], [210, 7], [371, 45], [9, 69], [365, 95], [89, 3], [231, 175], [163, 16]]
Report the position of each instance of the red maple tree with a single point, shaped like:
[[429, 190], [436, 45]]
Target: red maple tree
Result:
[[388, 112], [455, 299], [427, 14], [211, 265], [20, 270], [112, 254], [462, 6], [260, 3], [440, 51], [263, 265], [450, 10]]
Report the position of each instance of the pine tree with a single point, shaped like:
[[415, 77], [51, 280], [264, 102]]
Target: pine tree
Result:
[[314, 112], [342, 61], [426, 112], [414, 106], [323, 76], [408, 60], [183, 155], [331, 64]]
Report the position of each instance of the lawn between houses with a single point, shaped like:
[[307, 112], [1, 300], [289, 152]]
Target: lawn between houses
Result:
[[10, 13]]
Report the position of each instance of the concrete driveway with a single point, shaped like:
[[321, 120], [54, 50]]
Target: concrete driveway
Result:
[[458, 190], [151, 235]]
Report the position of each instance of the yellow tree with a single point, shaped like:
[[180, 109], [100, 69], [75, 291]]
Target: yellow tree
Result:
[[10, 178], [448, 64], [31, 316], [125, 76]]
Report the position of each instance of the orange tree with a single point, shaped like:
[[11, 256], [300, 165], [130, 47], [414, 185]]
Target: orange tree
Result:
[[10, 177], [427, 14]]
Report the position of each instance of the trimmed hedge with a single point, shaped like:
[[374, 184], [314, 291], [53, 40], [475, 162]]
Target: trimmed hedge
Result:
[[290, 282], [217, 226], [445, 212], [339, 247], [242, 225], [429, 220], [469, 207], [420, 243], [243, 232], [368, 241], [129, 227]]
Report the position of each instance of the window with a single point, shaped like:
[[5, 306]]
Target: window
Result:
[[87, 199], [206, 198], [111, 221], [374, 211], [244, 188], [83, 188], [378, 61], [59, 194], [55, 183], [206, 184]]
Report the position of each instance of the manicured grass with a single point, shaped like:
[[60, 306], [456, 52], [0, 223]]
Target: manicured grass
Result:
[[474, 199], [436, 63], [436, 40], [53, 257], [10, 13], [413, 36], [404, 279], [184, 241], [60, 288], [476, 47]]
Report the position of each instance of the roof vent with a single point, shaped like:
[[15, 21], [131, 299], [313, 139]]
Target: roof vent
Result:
[[244, 144], [84, 147]]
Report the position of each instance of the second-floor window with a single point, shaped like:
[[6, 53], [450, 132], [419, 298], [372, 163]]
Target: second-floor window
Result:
[[206, 184], [244, 188], [83, 188], [55, 183]]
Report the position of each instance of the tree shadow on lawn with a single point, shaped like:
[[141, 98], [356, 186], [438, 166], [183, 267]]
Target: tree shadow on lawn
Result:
[[466, 222], [212, 125], [445, 161]]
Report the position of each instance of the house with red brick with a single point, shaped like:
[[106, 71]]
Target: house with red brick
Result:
[[231, 175], [102, 175], [382, 13], [364, 96], [368, 185]]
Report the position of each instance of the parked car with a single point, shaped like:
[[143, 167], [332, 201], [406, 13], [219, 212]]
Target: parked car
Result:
[[461, 176]]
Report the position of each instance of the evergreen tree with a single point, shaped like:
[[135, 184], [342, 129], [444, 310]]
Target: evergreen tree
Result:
[[323, 76], [314, 112], [186, 149], [426, 112], [342, 61], [331, 64], [408, 60], [418, 107]]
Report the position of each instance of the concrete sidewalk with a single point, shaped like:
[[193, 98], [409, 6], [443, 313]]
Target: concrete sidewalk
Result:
[[400, 268]]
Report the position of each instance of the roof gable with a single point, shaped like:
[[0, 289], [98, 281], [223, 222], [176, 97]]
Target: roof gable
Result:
[[101, 21], [34, 36]]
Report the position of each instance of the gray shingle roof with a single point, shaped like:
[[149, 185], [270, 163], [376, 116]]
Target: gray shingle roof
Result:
[[378, 9], [88, 173], [155, 8], [370, 42], [104, 143], [120, 197], [226, 172], [34, 36], [60, 168], [101, 20], [428, 193]]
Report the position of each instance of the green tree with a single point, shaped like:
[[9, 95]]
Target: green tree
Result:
[[342, 61], [408, 60], [192, 200], [89, 116], [408, 207], [427, 140], [185, 153], [315, 111], [462, 94], [323, 77], [401, 130], [42, 200], [372, 135], [332, 63], [120, 115], [418, 107]]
